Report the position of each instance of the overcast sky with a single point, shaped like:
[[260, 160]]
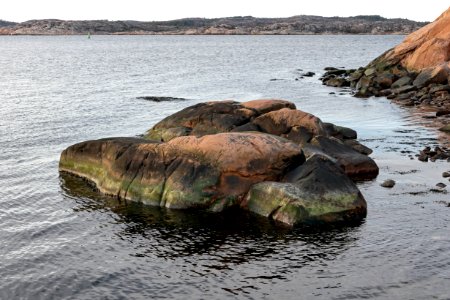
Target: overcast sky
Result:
[[149, 10]]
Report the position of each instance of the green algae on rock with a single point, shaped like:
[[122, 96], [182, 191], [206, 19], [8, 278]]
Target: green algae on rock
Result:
[[317, 191], [212, 172]]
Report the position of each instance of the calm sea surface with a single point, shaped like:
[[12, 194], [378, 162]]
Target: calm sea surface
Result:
[[61, 240]]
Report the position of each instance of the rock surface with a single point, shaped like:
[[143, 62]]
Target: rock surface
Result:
[[272, 116], [213, 172], [316, 191]]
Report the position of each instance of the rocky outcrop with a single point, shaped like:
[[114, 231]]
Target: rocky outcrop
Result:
[[217, 155], [276, 117], [222, 26], [414, 73]]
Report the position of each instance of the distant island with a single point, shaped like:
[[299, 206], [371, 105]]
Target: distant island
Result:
[[297, 25]]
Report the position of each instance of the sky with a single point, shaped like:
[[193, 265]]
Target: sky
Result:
[[152, 10]]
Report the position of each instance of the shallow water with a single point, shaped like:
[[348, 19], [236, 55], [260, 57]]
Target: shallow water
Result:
[[61, 240]]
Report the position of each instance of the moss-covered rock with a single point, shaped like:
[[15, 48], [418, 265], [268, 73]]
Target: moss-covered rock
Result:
[[213, 172], [317, 191]]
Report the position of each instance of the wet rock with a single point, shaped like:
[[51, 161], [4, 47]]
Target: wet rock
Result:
[[308, 74], [160, 98], [336, 72], [440, 88], [356, 165], [445, 128], [446, 174], [441, 185], [245, 128], [319, 191], [369, 71], [384, 80], [337, 82], [212, 172], [389, 183], [405, 80], [404, 89], [431, 75], [363, 87], [340, 132], [357, 146]]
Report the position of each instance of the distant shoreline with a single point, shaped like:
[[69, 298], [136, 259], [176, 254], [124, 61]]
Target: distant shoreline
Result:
[[297, 25]]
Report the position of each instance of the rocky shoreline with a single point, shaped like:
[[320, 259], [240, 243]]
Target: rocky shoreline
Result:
[[262, 156], [416, 73], [247, 25]]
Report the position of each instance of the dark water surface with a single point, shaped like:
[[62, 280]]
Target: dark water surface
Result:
[[61, 240]]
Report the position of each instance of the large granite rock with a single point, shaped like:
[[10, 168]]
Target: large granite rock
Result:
[[213, 172], [210, 155], [317, 191]]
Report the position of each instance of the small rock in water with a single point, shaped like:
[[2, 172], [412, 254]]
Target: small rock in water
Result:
[[441, 185], [446, 174], [159, 99], [388, 183], [309, 74]]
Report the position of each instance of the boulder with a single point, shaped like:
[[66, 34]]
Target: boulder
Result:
[[445, 128], [317, 191], [338, 82], [263, 106], [405, 80], [212, 172], [438, 74], [356, 165], [212, 117], [292, 124], [340, 132]]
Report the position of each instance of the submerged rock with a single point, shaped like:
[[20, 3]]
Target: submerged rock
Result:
[[316, 191], [389, 183], [160, 98]]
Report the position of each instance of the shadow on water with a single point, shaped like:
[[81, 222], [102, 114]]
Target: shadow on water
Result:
[[227, 239]]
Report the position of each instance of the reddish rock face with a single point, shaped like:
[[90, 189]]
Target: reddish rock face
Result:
[[293, 124], [427, 47], [263, 106], [213, 117]]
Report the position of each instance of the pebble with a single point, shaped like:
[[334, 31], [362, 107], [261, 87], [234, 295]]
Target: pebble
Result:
[[446, 174], [441, 185]]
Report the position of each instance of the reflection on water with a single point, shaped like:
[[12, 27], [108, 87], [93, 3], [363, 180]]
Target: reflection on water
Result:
[[179, 233]]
